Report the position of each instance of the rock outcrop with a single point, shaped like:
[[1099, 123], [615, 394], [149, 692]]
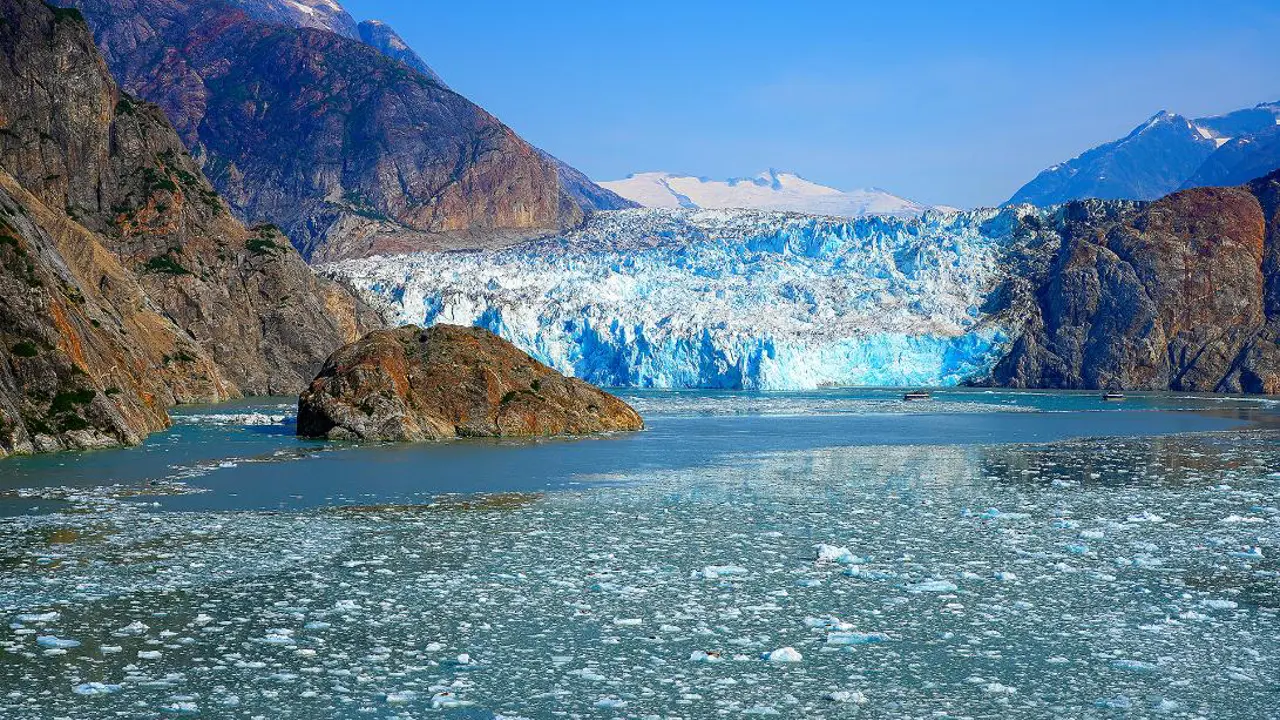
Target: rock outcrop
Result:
[[351, 152], [127, 284], [411, 384], [1179, 294]]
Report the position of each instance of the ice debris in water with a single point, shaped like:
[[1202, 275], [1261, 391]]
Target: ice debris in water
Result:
[[95, 688], [50, 641], [289, 615], [932, 586], [784, 655]]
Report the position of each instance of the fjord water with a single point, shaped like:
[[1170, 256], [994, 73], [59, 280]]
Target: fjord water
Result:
[[824, 554]]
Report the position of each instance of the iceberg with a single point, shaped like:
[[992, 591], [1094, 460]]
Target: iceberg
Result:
[[727, 299]]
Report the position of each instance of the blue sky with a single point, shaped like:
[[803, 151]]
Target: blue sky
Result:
[[943, 102]]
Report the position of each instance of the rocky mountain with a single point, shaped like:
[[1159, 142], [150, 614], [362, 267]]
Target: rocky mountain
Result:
[[128, 286], [447, 381], [381, 37], [1179, 294], [299, 122], [1182, 293], [1164, 154], [770, 190]]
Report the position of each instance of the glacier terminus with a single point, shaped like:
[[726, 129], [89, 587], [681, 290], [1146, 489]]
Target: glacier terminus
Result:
[[728, 299]]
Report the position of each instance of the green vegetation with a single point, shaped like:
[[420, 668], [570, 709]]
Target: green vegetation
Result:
[[125, 105], [181, 356], [61, 14], [165, 264], [154, 180], [67, 401], [17, 260], [264, 242], [26, 349], [68, 423]]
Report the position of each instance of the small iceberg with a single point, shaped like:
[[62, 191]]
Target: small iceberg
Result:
[[784, 655], [932, 586], [95, 688], [49, 641]]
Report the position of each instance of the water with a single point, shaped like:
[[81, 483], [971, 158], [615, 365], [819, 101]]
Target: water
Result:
[[980, 555]]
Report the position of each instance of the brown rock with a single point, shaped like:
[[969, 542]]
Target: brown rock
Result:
[[348, 150], [126, 285], [410, 384], [1173, 295]]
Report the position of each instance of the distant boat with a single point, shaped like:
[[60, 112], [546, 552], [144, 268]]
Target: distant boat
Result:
[[917, 395], [1113, 396]]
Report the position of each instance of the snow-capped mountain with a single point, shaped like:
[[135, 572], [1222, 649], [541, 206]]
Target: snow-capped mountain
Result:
[[729, 299], [771, 190], [1164, 154]]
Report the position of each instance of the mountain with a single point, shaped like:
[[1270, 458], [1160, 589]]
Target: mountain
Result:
[[381, 37], [300, 123], [771, 190], [1166, 153], [126, 285], [1181, 294]]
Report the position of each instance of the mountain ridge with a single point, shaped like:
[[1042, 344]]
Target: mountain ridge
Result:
[[1167, 152], [346, 149], [769, 190]]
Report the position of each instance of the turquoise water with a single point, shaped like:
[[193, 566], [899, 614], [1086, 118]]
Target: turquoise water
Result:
[[828, 554]]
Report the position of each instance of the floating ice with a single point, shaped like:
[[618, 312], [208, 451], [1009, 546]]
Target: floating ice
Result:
[[50, 641], [932, 586], [847, 696], [716, 572], [855, 638], [37, 618], [784, 655], [95, 688]]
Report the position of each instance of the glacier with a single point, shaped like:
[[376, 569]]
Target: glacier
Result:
[[727, 299]]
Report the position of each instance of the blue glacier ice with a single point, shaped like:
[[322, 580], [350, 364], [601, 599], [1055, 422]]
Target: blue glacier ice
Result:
[[725, 299]]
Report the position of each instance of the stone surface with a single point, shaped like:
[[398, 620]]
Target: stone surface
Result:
[[128, 285], [349, 151], [1179, 294], [410, 384]]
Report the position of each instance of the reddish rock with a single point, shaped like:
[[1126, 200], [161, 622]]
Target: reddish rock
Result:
[[410, 384], [1179, 294]]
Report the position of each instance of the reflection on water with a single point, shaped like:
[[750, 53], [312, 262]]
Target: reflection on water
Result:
[[799, 566]]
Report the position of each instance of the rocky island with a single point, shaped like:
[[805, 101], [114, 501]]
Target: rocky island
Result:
[[411, 384]]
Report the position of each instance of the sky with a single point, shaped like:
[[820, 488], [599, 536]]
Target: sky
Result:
[[955, 103]]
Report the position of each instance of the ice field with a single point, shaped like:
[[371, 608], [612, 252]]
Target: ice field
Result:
[[730, 299], [1080, 576]]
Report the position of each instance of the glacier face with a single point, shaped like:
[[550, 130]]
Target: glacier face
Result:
[[724, 299]]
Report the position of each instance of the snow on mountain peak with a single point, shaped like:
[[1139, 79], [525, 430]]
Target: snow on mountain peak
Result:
[[770, 190]]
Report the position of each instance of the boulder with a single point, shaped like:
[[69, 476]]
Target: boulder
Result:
[[410, 384]]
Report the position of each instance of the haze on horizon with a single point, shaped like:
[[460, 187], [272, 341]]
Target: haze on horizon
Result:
[[941, 104]]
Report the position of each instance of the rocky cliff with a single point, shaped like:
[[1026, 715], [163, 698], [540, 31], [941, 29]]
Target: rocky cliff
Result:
[[448, 381], [128, 285], [350, 151], [1178, 294]]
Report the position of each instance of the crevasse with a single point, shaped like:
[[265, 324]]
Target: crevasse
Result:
[[724, 299]]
